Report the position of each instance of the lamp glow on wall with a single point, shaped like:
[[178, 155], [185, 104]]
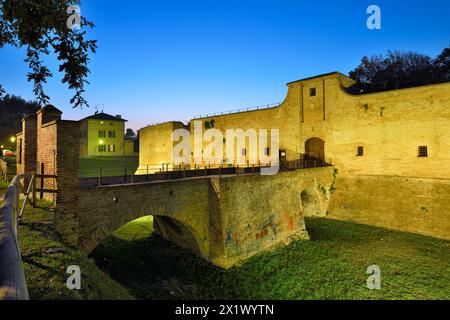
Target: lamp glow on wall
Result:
[[13, 139]]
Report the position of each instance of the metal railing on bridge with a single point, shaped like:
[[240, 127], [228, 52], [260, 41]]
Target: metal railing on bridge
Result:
[[116, 174], [166, 171]]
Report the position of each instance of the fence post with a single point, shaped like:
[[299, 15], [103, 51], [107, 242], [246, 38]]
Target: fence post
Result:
[[33, 178], [41, 194]]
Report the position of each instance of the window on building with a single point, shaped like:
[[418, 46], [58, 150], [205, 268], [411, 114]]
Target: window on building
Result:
[[102, 134], [102, 148], [360, 151], [244, 152], [112, 148], [267, 151], [312, 92], [423, 151], [111, 134]]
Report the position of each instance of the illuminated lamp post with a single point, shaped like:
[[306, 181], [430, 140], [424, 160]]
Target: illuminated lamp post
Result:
[[13, 141]]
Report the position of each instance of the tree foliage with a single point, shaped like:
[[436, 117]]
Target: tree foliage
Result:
[[442, 63], [12, 110], [40, 27], [397, 70], [130, 133]]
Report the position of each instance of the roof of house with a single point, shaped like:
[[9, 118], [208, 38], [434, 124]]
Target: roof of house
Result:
[[320, 76], [104, 116]]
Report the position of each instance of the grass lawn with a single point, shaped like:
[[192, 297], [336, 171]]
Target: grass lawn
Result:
[[330, 266], [46, 260], [109, 166]]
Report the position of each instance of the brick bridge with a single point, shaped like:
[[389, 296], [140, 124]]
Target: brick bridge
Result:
[[223, 219]]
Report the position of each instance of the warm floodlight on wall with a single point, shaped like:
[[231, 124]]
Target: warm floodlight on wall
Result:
[[101, 142], [13, 139]]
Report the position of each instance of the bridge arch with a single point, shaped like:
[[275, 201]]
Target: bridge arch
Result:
[[103, 210]]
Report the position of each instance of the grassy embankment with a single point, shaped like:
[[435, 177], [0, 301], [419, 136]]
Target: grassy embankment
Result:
[[330, 266], [45, 261]]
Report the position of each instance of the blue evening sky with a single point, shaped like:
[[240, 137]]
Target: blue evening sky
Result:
[[172, 60]]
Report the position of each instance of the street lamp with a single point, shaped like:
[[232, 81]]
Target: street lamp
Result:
[[13, 141]]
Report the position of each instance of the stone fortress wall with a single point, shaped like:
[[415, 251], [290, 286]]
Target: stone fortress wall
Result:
[[388, 184]]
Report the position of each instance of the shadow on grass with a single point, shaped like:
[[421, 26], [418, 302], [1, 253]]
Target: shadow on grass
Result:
[[330, 266], [152, 268]]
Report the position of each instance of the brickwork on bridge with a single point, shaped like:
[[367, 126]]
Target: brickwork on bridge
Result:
[[224, 220]]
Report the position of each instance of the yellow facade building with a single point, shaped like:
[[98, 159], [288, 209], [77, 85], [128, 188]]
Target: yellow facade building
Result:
[[401, 132], [103, 135]]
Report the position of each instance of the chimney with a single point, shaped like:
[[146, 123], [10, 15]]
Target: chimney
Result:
[[118, 116]]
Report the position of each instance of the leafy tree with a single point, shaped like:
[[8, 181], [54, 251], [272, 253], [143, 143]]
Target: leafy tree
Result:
[[12, 111], [442, 65], [40, 27], [130, 133], [396, 70]]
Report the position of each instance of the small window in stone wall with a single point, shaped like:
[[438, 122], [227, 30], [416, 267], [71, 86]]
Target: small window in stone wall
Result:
[[423, 152], [111, 134], [112, 148], [102, 134], [312, 92], [244, 152], [102, 148], [360, 151], [267, 151]]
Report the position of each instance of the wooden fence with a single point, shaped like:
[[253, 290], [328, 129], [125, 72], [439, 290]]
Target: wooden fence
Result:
[[12, 278], [3, 170]]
